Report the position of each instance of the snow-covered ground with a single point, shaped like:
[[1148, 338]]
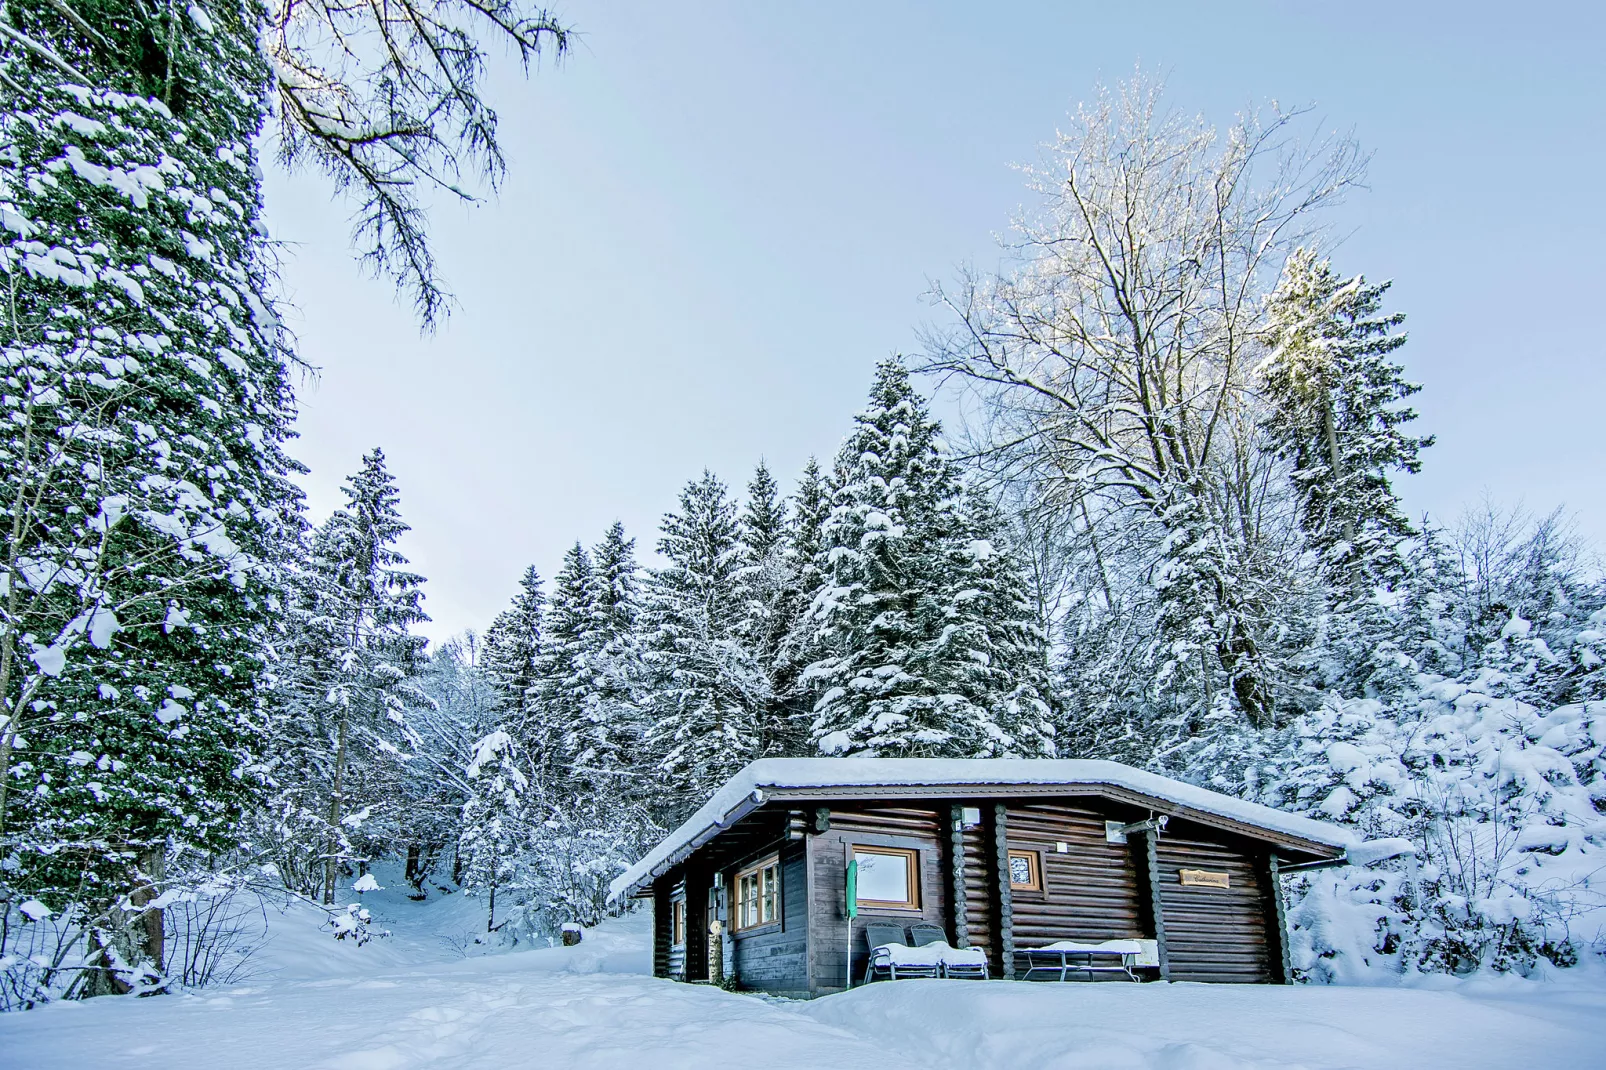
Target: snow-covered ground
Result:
[[416, 1000]]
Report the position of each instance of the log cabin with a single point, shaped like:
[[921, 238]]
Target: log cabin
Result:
[[1004, 854]]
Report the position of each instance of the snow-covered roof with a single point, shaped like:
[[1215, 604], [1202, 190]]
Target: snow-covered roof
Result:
[[749, 789]]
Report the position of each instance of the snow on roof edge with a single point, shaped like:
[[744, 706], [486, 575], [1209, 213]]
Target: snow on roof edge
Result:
[[748, 786]]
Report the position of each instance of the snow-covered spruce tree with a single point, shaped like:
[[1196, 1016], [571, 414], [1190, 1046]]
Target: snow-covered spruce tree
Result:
[[583, 725], [495, 834], [994, 640], [558, 699], [143, 489], [890, 676], [708, 693], [513, 644], [351, 665], [770, 583], [606, 742], [1116, 358], [764, 523], [811, 507], [1336, 396]]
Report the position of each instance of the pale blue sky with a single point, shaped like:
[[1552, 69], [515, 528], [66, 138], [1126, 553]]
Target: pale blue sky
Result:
[[720, 215]]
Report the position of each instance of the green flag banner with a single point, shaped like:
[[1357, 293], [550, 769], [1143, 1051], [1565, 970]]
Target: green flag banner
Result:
[[853, 888]]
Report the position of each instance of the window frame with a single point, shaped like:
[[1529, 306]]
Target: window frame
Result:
[[677, 922], [1034, 858], [911, 856], [768, 895]]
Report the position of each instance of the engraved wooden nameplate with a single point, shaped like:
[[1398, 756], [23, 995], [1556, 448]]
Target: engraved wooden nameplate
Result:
[[1206, 878]]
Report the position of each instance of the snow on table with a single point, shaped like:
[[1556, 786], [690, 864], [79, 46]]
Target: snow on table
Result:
[[1106, 947]]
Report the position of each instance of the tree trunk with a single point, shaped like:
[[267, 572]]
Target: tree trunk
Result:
[[332, 853], [134, 940], [152, 925], [1240, 657], [1337, 463]]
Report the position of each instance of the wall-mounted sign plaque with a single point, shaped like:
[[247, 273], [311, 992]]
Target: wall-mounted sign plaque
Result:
[[1206, 878]]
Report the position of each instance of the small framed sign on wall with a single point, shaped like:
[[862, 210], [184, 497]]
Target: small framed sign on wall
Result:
[[1206, 878]]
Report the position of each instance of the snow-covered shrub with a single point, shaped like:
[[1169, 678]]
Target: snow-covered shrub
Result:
[[354, 923], [210, 925], [563, 872], [1502, 804]]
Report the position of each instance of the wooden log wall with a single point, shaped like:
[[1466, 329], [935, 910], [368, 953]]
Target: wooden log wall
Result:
[[661, 933], [1091, 892], [774, 958], [1213, 934], [921, 828], [675, 961]]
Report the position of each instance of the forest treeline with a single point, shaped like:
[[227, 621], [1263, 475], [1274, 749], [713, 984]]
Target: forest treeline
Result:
[[1168, 535]]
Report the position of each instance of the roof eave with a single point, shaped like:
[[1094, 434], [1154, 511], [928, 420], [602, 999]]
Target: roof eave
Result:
[[1276, 837], [750, 802]]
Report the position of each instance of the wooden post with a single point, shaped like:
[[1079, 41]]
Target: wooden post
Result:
[[961, 908], [716, 952], [1148, 860], [1006, 902], [1282, 966]]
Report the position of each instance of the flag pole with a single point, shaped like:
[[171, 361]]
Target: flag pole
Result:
[[851, 895]]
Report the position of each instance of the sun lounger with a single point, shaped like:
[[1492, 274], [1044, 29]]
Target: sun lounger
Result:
[[931, 956], [965, 962]]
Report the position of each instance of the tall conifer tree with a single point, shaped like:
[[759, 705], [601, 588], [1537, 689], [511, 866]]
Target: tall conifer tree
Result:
[[607, 737], [1336, 395], [143, 485], [708, 692], [891, 677], [558, 700], [513, 645], [771, 594], [353, 663]]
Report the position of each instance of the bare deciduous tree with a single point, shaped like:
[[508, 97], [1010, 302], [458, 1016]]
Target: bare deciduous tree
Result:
[[1116, 357]]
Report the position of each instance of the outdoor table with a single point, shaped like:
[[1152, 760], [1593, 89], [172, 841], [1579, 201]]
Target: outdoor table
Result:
[[1057, 961]]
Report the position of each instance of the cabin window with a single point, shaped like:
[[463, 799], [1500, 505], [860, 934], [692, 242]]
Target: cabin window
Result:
[[758, 894], [1025, 871], [888, 877], [677, 923]]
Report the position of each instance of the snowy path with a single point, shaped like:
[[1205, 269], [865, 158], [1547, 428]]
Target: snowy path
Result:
[[409, 1004]]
